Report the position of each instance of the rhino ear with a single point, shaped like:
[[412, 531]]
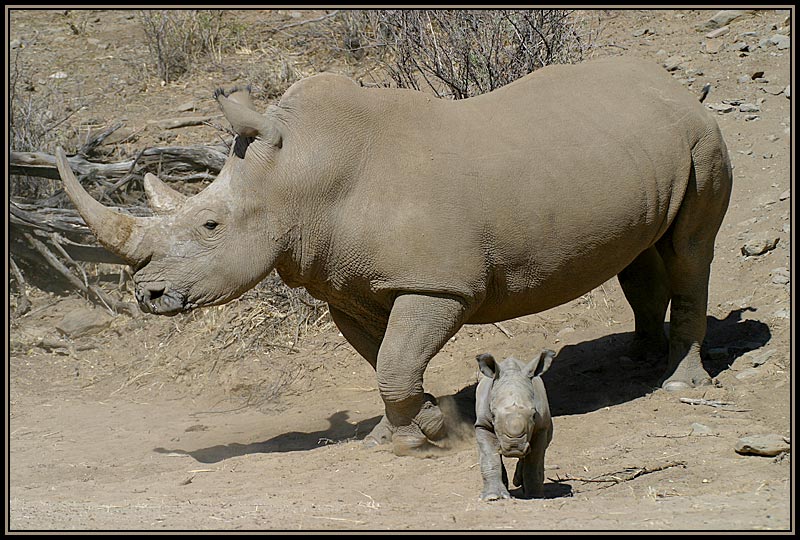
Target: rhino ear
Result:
[[540, 364], [487, 365], [244, 119]]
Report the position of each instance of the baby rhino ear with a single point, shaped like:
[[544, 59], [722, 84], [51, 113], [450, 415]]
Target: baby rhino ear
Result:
[[486, 364], [540, 364]]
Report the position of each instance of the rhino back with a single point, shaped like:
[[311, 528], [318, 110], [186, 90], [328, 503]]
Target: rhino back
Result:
[[555, 182]]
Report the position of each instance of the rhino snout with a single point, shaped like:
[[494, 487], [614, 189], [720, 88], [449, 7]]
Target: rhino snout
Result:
[[515, 447], [157, 297]]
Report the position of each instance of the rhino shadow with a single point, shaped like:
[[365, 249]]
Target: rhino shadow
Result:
[[598, 373], [583, 377], [339, 430]]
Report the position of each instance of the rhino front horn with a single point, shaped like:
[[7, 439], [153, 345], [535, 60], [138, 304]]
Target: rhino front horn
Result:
[[119, 233]]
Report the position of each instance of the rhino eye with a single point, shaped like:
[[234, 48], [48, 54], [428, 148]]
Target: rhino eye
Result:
[[210, 224]]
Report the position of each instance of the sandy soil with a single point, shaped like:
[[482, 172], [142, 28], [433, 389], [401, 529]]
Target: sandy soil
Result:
[[147, 425]]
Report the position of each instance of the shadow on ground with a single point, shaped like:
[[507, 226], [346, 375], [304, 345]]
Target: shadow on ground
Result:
[[584, 377]]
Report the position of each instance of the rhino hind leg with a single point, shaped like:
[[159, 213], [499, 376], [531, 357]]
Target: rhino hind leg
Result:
[[645, 284], [687, 251], [529, 474]]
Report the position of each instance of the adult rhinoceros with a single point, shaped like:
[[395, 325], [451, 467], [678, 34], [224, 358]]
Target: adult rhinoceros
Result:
[[412, 215]]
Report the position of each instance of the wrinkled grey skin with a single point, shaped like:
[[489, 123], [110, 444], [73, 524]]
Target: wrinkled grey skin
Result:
[[412, 216], [513, 420]]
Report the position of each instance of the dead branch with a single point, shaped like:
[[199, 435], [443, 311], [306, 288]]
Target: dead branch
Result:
[[173, 158], [98, 139], [24, 305], [89, 290], [318, 19], [618, 477]]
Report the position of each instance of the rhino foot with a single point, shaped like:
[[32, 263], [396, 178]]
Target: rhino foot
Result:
[[380, 434], [682, 380], [494, 493]]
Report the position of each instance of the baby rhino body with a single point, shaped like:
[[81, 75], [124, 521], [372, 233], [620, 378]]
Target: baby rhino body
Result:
[[513, 420]]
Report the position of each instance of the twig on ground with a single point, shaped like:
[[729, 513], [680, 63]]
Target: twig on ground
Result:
[[621, 476], [712, 403], [504, 330]]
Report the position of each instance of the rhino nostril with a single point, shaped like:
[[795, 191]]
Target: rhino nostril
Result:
[[156, 293]]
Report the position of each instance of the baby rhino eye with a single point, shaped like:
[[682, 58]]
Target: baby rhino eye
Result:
[[210, 225]]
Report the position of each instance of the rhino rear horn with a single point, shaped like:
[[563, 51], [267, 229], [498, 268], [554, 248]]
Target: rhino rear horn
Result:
[[162, 198], [119, 233]]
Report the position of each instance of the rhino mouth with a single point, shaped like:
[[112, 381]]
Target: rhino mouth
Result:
[[158, 298], [514, 447]]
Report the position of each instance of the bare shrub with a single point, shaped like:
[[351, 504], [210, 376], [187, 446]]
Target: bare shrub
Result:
[[463, 53], [180, 38], [37, 116]]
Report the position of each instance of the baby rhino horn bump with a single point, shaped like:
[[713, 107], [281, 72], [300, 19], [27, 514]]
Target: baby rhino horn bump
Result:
[[516, 426], [119, 233], [163, 199]]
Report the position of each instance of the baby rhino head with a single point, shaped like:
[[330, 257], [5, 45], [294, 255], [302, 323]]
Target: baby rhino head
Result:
[[516, 402]]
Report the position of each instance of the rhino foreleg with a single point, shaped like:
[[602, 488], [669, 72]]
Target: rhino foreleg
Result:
[[493, 472], [418, 327]]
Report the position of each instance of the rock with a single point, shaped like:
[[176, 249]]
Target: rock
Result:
[[743, 79], [83, 321], [780, 279], [642, 32], [58, 75], [758, 357], [773, 89], [564, 331], [759, 246], [748, 107], [721, 108], [782, 314], [785, 195], [741, 46], [757, 75], [780, 41], [722, 18], [718, 32], [713, 47], [751, 117], [188, 106], [50, 343], [762, 445], [700, 429], [673, 63], [747, 373], [787, 91]]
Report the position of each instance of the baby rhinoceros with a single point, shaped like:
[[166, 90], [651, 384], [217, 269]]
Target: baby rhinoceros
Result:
[[513, 420]]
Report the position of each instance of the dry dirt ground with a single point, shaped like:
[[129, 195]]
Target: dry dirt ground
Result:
[[145, 425]]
